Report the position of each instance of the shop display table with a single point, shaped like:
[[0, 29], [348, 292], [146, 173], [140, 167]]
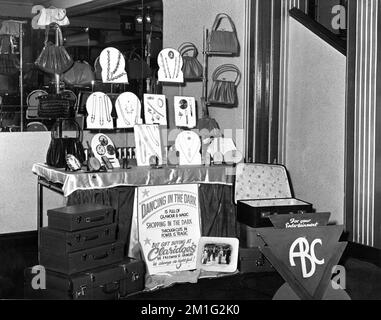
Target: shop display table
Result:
[[117, 189]]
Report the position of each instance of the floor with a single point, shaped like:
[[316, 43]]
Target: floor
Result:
[[363, 279]]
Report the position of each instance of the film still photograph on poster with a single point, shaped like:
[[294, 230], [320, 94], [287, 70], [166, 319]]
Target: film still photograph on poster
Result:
[[217, 254], [169, 227]]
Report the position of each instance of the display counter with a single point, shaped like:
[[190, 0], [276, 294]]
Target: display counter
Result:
[[117, 189]]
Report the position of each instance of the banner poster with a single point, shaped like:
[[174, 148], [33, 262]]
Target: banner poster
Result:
[[169, 227]]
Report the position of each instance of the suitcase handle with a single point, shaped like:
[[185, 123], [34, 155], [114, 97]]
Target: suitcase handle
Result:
[[90, 238], [100, 257], [111, 287], [95, 219]]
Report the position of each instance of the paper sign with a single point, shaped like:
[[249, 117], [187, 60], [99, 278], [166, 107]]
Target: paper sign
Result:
[[304, 257], [155, 109], [148, 144], [113, 66], [169, 227], [128, 108], [305, 220], [99, 108], [188, 144], [185, 111], [170, 63]]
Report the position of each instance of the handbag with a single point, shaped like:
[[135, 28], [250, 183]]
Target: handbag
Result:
[[55, 106], [223, 41], [9, 64], [60, 146], [224, 92], [79, 74], [192, 68], [137, 68], [53, 58]]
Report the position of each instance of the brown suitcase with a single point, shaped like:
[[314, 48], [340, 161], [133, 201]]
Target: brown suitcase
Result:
[[79, 217], [252, 260], [65, 242], [105, 283], [83, 260]]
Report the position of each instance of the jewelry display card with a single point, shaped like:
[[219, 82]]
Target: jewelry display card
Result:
[[128, 109], [185, 111], [102, 145], [113, 66], [99, 107], [170, 63], [188, 145], [147, 144], [155, 109]]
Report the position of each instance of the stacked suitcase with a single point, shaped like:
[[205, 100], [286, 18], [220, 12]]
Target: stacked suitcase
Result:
[[82, 257], [261, 190]]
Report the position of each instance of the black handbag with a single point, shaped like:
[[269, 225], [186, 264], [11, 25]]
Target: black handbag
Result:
[[55, 106], [137, 68], [192, 68], [9, 64], [224, 92], [54, 58], [61, 146], [223, 41]]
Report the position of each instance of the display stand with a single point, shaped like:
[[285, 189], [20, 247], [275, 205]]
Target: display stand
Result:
[[21, 72], [206, 53]]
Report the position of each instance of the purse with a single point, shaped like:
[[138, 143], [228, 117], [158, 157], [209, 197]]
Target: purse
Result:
[[55, 106], [61, 146], [137, 68], [53, 58], [9, 64], [224, 92], [192, 68], [79, 74], [223, 41]]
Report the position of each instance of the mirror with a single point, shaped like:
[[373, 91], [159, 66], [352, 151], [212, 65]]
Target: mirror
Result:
[[133, 27]]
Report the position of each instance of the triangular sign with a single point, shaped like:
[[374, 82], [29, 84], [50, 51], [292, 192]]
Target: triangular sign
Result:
[[304, 257]]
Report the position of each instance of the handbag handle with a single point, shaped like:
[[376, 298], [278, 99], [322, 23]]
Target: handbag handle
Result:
[[56, 125], [227, 68], [188, 47], [133, 53], [53, 26], [218, 20]]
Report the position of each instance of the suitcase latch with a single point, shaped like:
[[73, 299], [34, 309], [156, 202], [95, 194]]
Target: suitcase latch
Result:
[[135, 276], [81, 292]]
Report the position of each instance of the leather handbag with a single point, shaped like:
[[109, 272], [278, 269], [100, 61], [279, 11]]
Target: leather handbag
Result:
[[54, 58], [137, 68], [9, 64], [223, 41], [61, 146], [55, 106], [192, 68], [79, 74], [224, 92]]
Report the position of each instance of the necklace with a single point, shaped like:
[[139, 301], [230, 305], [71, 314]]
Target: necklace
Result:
[[100, 108], [123, 115], [174, 69], [187, 146], [152, 136], [92, 118], [162, 63], [167, 65], [108, 112]]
